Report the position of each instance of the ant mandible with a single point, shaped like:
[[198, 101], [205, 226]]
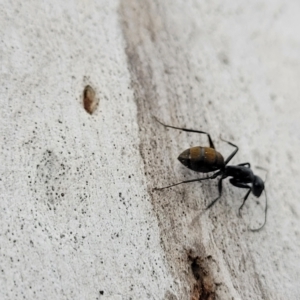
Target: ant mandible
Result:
[[207, 159]]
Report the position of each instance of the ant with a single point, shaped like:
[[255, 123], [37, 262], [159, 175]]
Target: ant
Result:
[[207, 159]]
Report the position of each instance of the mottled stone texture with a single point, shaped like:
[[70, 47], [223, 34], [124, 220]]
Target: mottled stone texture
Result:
[[78, 215]]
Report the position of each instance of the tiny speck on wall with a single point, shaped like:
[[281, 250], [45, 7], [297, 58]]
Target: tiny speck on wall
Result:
[[90, 102]]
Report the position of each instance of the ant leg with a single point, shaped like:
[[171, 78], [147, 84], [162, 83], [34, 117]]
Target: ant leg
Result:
[[220, 193], [229, 158], [187, 181], [245, 198], [245, 164], [243, 186], [211, 144]]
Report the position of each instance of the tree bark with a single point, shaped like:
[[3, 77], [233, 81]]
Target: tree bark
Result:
[[79, 215]]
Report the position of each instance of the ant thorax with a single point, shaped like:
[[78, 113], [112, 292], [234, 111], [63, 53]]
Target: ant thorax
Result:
[[240, 173]]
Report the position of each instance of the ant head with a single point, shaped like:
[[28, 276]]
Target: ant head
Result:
[[258, 186]]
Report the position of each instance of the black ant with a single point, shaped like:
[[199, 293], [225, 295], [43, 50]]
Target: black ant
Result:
[[207, 159]]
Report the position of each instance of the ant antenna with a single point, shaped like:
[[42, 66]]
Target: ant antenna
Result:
[[266, 207], [267, 172]]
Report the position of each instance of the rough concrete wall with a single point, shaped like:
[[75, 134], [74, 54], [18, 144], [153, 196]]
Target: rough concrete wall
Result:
[[78, 216], [230, 69]]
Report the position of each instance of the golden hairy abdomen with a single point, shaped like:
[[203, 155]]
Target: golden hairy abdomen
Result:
[[203, 159]]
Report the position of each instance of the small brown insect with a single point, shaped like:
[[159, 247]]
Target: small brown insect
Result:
[[207, 159], [90, 102]]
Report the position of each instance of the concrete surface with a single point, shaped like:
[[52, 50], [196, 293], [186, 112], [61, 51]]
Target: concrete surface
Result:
[[78, 216], [76, 220]]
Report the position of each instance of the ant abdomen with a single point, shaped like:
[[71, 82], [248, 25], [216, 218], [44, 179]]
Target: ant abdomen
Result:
[[202, 159]]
